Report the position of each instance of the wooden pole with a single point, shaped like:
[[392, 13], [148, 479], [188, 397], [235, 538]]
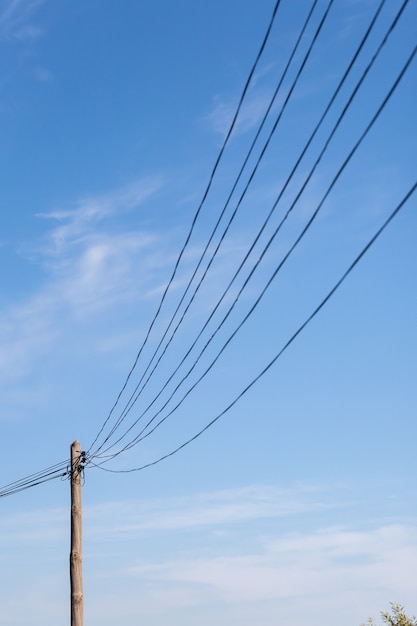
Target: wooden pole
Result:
[[77, 599]]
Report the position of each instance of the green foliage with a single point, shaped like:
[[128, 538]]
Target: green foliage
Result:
[[397, 617]]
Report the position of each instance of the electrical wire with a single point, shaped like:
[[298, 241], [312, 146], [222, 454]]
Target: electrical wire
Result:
[[394, 86], [135, 394], [62, 470], [194, 221], [132, 398], [283, 349], [270, 241], [59, 470]]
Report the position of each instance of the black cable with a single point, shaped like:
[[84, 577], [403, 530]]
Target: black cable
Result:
[[270, 241], [285, 347], [132, 398], [59, 470], [135, 394], [35, 474], [62, 470], [278, 268], [211, 178], [138, 438]]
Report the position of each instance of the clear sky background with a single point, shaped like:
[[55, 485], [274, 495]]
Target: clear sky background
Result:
[[298, 506]]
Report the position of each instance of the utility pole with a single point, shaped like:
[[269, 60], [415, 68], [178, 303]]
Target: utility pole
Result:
[[77, 598]]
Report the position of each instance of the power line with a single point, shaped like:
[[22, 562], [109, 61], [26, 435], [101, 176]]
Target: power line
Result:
[[59, 470], [194, 221], [283, 349], [132, 400], [137, 438]]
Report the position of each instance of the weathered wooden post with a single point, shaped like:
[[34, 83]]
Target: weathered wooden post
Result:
[[77, 599]]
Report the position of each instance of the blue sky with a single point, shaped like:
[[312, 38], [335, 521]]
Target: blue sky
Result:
[[298, 505]]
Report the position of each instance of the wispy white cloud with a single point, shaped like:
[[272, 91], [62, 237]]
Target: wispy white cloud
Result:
[[100, 275], [43, 75], [221, 115], [127, 519], [293, 577], [173, 563], [205, 510], [93, 263], [17, 19], [89, 266], [75, 223], [327, 566], [25, 331], [254, 106], [35, 525]]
